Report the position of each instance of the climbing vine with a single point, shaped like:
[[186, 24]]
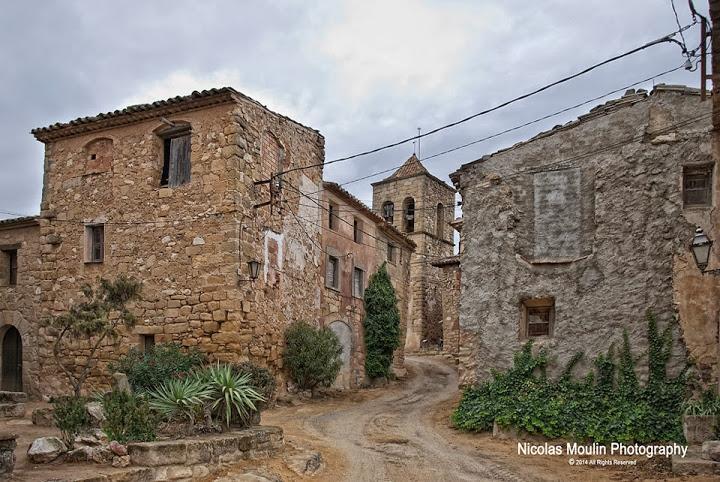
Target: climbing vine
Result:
[[382, 324], [608, 404]]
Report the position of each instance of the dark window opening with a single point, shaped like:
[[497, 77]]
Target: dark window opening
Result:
[[391, 253], [697, 186], [93, 157], [332, 274], [388, 211], [357, 230], [176, 157], [332, 216], [12, 266], [95, 243], [409, 214], [147, 342], [358, 283], [539, 317], [440, 228]]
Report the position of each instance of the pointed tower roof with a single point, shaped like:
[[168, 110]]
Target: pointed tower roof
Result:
[[411, 168]]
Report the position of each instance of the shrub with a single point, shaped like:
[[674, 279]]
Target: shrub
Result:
[[261, 379], [128, 417], [149, 370], [312, 355], [382, 324], [606, 406], [232, 396], [179, 398], [71, 417]]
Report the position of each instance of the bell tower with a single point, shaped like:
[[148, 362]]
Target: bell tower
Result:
[[421, 206]]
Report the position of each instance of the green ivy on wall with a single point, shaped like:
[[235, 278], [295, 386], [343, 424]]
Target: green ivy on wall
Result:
[[607, 405]]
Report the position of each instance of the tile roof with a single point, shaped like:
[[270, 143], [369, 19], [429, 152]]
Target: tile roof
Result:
[[411, 168], [18, 222], [447, 261], [359, 205], [139, 112]]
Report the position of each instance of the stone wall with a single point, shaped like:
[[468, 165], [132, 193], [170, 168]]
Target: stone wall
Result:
[[344, 310], [425, 316], [450, 291], [620, 248], [19, 302], [190, 244]]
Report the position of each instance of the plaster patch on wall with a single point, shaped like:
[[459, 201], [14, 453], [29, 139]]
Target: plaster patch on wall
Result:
[[558, 214], [272, 260], [309, 209]]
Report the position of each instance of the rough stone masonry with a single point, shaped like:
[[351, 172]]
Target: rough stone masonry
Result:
[[571, 236]]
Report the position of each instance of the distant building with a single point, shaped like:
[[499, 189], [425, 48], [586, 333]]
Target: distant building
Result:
[[420, 206], [571, 236], [355, 243]]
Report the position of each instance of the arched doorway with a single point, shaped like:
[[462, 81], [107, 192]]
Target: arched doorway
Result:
[[344, 334], [11, 377]]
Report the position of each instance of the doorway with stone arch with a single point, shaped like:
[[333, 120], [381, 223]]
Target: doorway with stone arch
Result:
[[344, 334], [11, 369]]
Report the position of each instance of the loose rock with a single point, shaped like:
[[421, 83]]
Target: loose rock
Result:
[[46, 449]]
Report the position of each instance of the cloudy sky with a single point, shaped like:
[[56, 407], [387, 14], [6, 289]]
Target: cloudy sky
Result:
[[364, 73]]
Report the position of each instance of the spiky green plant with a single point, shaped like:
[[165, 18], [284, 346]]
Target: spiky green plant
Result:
[[180, 398], [232, 393]]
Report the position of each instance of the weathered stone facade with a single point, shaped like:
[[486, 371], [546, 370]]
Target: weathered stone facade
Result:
[[581, 229], [190, 243], [358, 239], [434, 208]]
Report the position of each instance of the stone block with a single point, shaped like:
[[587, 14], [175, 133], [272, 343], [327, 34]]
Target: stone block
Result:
[[13, 397], [46, 449], [12, 410], [698, 428], [179, 472], [153, 454], [711, 450], [199, 452]]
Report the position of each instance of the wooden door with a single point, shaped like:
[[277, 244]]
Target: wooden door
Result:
[[12, 361]]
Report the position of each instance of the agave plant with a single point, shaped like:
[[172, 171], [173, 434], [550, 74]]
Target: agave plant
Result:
[[179, 398], [232, 393]]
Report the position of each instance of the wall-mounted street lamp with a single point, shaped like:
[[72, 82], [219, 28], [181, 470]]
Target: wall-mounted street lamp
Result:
[[254, 269], [700, 248]]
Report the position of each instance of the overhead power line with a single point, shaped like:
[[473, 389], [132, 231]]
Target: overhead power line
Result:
[[666, 38]]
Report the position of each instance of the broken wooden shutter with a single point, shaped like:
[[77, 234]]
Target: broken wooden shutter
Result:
[[179, 161]]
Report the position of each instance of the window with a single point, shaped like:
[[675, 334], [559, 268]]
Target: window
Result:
[[94, 243], [357, 230], [697, 186], [332, 272], [358, 283], [11, 255], [388, 211], [390, 252], [332, 216], [176, 156], [409, 214], [147, 342], [440, 218], [538, 317]]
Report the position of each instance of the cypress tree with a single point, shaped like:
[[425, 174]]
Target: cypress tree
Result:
[[382, 324]]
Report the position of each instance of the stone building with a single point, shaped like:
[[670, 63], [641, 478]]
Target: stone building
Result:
[[176, 194], [420, 205], [571, 236], [355, 243]]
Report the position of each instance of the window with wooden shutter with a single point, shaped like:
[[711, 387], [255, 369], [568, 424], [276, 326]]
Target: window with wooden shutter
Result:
[[176, 156], [332, 272], [697, 185], [358, 282], [390, 253], [538, 317], [357, 230], [333, 216], [94, 243]]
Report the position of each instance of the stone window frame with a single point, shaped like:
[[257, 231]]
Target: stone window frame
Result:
[[331, 259], [545, 303], [181, 132], [363, 275], [94, 243], [705, 170], [333, 215], [10, 254]]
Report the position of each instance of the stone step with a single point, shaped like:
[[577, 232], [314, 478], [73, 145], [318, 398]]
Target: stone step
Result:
[[694, 464], [13, 397], [12, 410]]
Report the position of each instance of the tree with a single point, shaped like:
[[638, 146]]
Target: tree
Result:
[[382, 324], [95, 319]]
